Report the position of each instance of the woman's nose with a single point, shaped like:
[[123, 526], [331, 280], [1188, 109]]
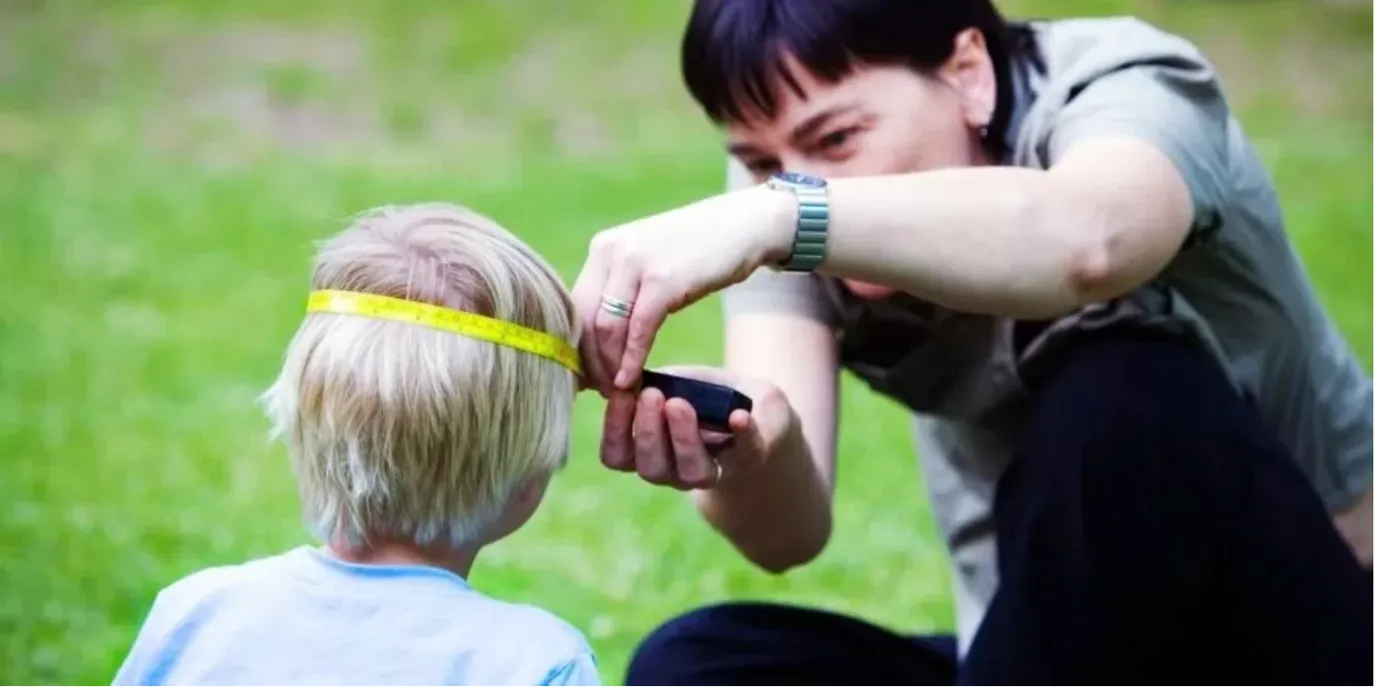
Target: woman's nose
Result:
[[802, 164], [805, 167]]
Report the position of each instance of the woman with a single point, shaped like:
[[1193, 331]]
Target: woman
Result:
[[1145, 443]]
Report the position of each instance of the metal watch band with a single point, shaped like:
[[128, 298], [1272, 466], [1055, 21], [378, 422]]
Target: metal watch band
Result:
[[810, 238]]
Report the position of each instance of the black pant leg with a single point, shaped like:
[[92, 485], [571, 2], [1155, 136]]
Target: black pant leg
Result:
[[769, 644], [1152, 530]]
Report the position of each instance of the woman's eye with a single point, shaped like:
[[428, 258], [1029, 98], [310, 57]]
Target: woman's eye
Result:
[[836, 138]]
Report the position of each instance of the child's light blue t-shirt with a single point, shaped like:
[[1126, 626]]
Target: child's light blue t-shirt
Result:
[[305, 617]]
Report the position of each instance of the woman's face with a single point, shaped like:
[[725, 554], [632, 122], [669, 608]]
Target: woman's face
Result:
[[877, 120]]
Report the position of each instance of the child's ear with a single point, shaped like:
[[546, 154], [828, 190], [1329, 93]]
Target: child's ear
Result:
[[531, 491], [528, 492]]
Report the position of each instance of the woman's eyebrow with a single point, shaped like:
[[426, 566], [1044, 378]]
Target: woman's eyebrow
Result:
[[801, 132], [808, 127]]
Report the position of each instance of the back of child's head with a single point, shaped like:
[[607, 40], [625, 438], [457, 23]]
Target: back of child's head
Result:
[[406, 432]]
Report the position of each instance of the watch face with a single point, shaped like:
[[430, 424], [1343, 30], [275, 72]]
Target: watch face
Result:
[[797, 179]]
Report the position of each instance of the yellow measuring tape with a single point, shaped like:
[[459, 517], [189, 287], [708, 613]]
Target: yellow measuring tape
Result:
[[467, 324]]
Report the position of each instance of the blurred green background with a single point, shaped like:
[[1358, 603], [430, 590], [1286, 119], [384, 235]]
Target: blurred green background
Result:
[[165, 166]]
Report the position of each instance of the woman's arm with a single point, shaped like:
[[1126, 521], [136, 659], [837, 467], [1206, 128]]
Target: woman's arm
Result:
[[1006, 241], [780, 517], [1134, 162], [1012, 242], [778, 514]]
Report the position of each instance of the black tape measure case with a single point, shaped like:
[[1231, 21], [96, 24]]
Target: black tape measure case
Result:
[[713, 403]]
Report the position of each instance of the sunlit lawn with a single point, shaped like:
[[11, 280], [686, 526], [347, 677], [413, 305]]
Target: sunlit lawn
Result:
[[166, 166]]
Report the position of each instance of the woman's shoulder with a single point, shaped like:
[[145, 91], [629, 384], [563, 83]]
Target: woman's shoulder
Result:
[[1126, 77], [1118, 56], [1083, 47]]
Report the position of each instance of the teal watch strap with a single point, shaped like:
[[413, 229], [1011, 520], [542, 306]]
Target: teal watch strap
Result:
[[810, 241], [814, 218]]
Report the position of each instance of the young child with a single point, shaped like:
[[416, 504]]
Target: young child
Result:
[[416, 441]]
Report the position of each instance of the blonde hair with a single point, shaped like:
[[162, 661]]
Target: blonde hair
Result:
[[404, 431]]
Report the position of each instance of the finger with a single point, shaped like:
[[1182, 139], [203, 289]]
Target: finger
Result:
[[617, 450], [740, 421], [652, 306], [593, 377], [652, 452], [586, 296], [696, 468], [610, 329], [746, 432], [584, 382], [583, 378]]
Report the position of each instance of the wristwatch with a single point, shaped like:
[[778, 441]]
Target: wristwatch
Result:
[[814, 218]]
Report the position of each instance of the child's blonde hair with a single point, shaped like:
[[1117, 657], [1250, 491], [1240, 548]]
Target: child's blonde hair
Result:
[[403, 431]]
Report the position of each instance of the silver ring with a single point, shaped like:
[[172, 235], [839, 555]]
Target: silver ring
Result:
[[616, 307], [716, 479]]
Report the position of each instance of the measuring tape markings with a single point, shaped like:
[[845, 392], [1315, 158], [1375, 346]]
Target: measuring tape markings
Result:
[[469, 324]]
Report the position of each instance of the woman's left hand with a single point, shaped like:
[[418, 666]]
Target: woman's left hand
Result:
[[638, 273]]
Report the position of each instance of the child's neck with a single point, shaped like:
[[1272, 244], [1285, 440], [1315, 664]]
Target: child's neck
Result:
[[384, 552]]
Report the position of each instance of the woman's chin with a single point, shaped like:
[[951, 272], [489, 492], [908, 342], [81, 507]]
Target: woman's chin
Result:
[[868, 291]]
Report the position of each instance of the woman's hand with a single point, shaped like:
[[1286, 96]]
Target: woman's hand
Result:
[[659, 439], [638, 273]]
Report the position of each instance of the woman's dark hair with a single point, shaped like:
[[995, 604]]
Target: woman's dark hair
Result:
[[733, 50]]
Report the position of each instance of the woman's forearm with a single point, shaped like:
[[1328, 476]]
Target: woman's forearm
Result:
[[1007, 241], [777, 514], [985, 240]]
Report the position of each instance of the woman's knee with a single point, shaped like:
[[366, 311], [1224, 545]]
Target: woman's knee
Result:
[[1144, 405], [1138, 437], [766, 643], [687, 644]]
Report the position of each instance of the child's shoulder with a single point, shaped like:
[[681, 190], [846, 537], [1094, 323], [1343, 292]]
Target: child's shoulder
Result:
[[217, 580], [190, 601], [516, 637], [532, 624], [470, 638], [198, 585], [473, 638]]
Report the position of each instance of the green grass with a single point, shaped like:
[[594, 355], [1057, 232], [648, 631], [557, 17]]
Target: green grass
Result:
[[165, 167]]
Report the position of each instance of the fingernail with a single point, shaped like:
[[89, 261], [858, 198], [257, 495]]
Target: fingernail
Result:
[[623, 380]]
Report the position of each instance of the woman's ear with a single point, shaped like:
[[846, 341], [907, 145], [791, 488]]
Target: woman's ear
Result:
[[971, 73]]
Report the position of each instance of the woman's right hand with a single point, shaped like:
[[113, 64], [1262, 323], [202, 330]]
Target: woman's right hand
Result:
[[660, 440]]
